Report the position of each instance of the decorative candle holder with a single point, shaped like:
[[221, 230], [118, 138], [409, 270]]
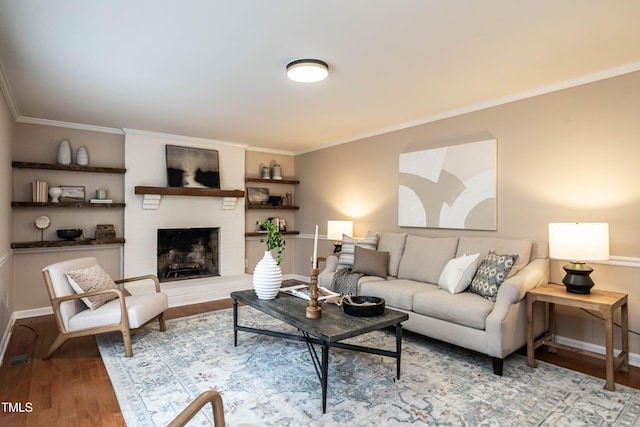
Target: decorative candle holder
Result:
[[314, 307]]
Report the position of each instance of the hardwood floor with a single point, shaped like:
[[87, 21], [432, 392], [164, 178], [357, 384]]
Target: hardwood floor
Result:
[[72, 388]]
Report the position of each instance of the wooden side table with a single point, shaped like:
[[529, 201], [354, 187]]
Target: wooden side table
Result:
[[602, 301]]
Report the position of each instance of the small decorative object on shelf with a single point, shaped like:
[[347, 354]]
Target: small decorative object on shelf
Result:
[[55, 193], [42, 223], [264, 174], [64, 152], [276, 172], [40, 191], [105, 233], [82, 158]]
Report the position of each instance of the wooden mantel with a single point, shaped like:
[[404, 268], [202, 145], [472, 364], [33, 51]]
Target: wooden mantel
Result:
[[152, 195], [186, 191]]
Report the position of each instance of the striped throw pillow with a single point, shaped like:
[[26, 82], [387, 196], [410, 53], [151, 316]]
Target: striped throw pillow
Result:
[[349, 248]]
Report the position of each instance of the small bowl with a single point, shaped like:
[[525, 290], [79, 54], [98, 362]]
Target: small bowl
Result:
[[69, 233], [371, 306]]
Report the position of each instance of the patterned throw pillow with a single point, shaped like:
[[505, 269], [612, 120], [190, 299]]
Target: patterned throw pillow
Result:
[[493, 270], [349, 248], [92, 279]]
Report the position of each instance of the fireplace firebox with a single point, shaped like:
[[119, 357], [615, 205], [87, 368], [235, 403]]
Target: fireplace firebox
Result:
[[188, 253]]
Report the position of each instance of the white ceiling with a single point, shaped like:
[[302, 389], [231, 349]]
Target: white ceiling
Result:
[[216, 69]]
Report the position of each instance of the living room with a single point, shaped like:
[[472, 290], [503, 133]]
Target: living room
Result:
[[566, 152]]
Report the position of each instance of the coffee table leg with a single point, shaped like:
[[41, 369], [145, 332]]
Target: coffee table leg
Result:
[[398, 347], [325, 374], [235, 322]]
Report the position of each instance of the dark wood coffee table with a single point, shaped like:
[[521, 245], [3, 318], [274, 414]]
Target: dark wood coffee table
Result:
[[332, 327]]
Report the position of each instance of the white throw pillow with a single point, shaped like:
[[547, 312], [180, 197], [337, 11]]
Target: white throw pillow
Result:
[[92, 279], [458, 273]]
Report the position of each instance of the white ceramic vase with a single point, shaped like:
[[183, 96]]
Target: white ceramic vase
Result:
[[55, 193], [267, 277], [64, 153], [82, 158]]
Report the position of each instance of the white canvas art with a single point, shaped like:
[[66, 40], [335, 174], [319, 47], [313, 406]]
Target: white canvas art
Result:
[[449, 187]]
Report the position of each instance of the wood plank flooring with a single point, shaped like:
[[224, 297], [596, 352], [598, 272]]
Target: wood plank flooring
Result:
[[72, 388]]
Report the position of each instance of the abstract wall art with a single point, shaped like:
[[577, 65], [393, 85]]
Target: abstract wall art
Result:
[[449, 187]]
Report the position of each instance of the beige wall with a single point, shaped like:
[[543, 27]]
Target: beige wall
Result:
[[36, 143], [6, 260], [571, 155]]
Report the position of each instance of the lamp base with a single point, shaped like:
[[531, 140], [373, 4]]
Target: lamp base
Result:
[[337, 246], [577, 280]]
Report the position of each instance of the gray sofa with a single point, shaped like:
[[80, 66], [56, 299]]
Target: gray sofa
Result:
[[415, 266]]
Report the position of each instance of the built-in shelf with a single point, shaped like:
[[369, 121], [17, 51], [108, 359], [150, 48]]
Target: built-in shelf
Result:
[[72, 168], [66, 205], [295, 208], [259, 234], [187, 191], [274, 181], [65, 243]]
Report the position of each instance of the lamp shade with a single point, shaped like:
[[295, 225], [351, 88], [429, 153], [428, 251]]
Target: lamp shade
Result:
[[579, 241], [335, 229]]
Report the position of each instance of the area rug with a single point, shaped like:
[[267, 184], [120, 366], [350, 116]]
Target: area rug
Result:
[[268, 381]]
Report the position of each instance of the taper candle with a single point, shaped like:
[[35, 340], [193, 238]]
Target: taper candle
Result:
[[315, 250]]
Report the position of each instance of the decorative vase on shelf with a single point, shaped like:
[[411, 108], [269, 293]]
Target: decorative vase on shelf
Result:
[[267, 277], [82, 158], [55, 193], [64, 153]]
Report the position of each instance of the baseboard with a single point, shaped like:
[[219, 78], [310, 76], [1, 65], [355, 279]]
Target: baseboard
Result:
[[6, 336], [634, 358]]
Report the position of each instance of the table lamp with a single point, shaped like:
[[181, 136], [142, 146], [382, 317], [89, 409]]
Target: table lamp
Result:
[[335, 230], [579, 242]]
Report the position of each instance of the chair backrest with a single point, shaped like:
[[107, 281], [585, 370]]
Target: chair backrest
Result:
[[58, 285]]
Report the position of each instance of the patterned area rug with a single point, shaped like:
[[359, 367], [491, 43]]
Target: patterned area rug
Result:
[[269, 381]]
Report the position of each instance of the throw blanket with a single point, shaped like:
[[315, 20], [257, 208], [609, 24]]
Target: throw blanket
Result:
[[345, 282]]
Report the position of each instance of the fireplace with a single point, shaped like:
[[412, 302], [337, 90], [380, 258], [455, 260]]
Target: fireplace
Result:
[[188, 253]]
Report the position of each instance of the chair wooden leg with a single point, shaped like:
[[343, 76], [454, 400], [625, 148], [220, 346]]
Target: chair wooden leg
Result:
[[126, 337], [163, 325], [60, 339]]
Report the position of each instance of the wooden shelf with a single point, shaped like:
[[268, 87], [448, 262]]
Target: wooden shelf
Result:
[[274, 181], [65, 243], [259, 234], [293, 208], [66, 205], [185, 191], [72, 168]]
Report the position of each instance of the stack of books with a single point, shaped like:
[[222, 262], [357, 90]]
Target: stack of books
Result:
[[40, 191]]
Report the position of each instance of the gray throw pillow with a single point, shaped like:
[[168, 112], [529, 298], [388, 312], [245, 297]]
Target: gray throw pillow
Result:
[[493, 270], [370, 262], [348, 248]]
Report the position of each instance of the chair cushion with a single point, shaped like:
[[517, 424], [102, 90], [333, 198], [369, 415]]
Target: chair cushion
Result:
[[397, 293], [140, 309], [370, 262], [464, 309], [90, 279]]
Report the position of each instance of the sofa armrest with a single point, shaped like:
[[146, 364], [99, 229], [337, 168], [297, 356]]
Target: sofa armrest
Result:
[[532, 275], [330, 265]]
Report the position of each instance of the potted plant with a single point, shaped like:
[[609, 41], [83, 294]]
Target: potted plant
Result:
[[267, 276]]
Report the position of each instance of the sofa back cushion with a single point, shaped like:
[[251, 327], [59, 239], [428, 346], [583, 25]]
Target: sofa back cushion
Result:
[[482, 245], [394, 244], [424, 258]]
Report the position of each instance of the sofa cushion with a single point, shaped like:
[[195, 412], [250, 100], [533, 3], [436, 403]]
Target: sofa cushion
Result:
[[458, 273], [348, 248], [493, 270], [397, 293], [424, 258], [394, 244], [92, 279], [466, 309], [482, 245], [370, 262]]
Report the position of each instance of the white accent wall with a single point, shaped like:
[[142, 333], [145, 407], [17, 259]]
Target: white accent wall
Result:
[[146, 166]]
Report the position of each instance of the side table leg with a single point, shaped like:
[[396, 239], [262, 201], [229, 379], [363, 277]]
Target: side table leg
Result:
[[624, 313], [235, 322], [608, 324], [531, 357]]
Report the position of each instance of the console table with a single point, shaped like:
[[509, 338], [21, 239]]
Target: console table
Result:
[[604, 302]]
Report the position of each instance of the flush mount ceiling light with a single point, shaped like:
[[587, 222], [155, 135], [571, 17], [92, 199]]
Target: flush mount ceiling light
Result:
[[307, 70]]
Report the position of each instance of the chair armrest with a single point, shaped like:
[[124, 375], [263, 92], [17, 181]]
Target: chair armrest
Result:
[[153, 277], [209, 396], [117, 291]]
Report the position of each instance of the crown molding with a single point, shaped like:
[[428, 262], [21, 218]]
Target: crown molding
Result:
[[68, 125], [270, 151], [8, 95], [555, 87], [182, 138]]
